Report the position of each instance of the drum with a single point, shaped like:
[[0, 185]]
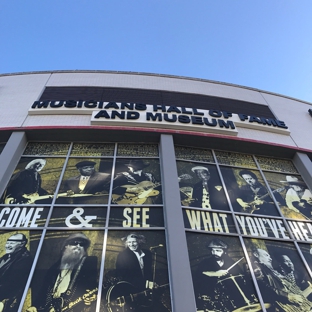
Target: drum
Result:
[[235, 293]]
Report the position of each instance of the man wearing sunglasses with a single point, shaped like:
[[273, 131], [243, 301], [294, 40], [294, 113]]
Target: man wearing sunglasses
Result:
[[71, 283]]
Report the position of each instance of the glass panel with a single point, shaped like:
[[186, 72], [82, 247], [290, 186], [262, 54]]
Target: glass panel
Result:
[[247, 192], [280, 274], [85, 181], [137, 182], [293, 195], [136, 217], [78, 217], [262, 227], [221, 279], [235, 159], [66, 275], [195, 154], [281, 165], [208, 221], [34, 181], [143, 150], [301, 230], [92, 149], [17, 254], [200, 186], [46, 149], [307, 252], [124, 278]]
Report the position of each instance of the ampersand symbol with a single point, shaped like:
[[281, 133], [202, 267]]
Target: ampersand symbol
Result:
[[77, 214]]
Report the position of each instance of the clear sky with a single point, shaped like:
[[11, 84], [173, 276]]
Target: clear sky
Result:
[[264, 44]]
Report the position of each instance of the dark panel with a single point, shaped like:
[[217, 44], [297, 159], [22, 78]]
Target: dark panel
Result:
[[155, 97]]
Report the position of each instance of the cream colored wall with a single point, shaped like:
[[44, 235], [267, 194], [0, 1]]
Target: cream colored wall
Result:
[[18, 92]]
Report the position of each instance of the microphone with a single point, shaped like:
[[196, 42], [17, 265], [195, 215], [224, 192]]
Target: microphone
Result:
[[158, 246]]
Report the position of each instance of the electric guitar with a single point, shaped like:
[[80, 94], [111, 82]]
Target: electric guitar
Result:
[[123, 298], [58, 303], [252, 206], [32, 198], [136, 194]]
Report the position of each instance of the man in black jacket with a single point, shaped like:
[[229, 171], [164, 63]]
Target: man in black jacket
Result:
[[208, 192], [134, 264], [70, 285], [14, 269], [25, 185], [89, 181]]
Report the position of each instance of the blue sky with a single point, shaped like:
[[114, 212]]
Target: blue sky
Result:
[[264, 44]]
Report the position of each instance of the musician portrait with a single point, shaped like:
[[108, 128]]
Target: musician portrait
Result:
[[70, 284], [26, 184], [135, 184], [15, 266], [200, 186], [136, 283], [254, 197], [89, 181], [298, 197], [281, 277], [221, 280], [296, 278], [84, 183]]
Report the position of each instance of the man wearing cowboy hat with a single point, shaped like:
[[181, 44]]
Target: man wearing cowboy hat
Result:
[[89, 181], [26, 184], [298, 196], [207, 193], [71, 283]]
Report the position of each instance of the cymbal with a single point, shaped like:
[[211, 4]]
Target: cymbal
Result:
[[252, 308]]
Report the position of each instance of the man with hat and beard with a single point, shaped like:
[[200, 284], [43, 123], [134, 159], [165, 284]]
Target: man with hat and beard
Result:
[[70, 285], [210, 273], [88, 181], [298, 196], [134, 184]]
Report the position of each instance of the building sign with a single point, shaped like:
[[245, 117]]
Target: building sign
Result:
[[159, 116]]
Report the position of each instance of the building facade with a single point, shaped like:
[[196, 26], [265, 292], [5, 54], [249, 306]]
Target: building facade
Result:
[[139, 192]]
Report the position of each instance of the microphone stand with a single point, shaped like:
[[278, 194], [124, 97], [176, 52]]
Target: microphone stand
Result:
[[154, 265]]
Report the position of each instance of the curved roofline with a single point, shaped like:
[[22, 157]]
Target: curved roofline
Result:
[[156, 75]]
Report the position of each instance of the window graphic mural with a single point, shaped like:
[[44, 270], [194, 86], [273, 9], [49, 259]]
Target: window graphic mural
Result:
[[83, 228]]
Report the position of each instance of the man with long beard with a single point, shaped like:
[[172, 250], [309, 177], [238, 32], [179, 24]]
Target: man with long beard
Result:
[[70, 284]]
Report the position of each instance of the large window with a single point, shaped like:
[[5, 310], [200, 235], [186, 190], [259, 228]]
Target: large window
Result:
[[244, 216], [84, 229], [83, 215]]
